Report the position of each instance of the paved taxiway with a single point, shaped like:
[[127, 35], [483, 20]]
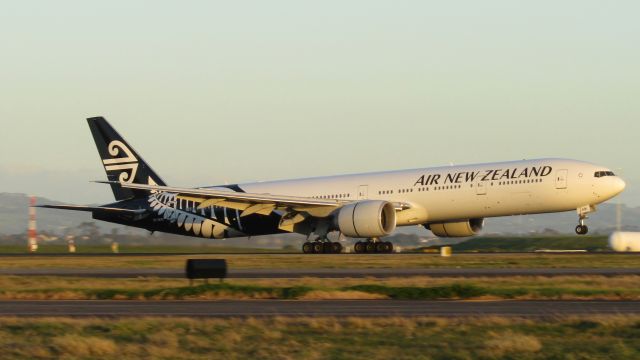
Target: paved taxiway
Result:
[[338, 308], [326, 273]]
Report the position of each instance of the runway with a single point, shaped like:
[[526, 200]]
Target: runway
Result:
[[336, 308], [225, 253], [328, 273]]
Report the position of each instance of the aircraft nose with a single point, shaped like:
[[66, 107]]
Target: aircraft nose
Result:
[[618, 185]]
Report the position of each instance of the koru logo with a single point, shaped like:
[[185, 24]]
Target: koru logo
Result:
[[127, 164]]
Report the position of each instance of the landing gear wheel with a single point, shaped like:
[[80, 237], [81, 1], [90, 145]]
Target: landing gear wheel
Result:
[[381, 247], [307, 248], [327, 248], [359, 247], [336, 248], [318, 247], [582, 229], [387, 247], [370, 247]]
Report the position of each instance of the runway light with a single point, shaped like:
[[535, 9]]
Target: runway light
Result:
[[72, 246], [445, 251]]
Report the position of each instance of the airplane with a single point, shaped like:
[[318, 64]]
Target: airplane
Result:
[[451, 201]]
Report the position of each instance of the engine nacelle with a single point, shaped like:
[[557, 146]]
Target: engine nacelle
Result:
[[457, 229], [366, 219]]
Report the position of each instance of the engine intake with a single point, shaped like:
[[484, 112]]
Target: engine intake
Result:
[[366, 219], [457, 229]]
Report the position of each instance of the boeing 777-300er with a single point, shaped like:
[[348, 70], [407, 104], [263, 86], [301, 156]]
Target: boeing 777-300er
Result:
[[451, 201]]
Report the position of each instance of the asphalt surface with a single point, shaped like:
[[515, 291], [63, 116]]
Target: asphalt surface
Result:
[[471, 254], [326, 273], [336, 308]]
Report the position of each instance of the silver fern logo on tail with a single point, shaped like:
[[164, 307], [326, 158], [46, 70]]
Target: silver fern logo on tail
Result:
[[122, 160]]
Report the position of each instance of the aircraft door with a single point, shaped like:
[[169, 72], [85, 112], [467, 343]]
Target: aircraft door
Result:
[[363, 192], [481, 188], [561, 179]]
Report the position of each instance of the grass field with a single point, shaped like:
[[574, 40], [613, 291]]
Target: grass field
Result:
[[321, 338], [567, 287], [299, 261], [533, 243]]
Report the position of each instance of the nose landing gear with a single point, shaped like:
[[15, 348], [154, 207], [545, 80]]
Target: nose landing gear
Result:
[[582, 229]]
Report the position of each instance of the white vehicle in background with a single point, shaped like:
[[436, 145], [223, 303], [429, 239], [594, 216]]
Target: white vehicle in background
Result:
[[624, 241]]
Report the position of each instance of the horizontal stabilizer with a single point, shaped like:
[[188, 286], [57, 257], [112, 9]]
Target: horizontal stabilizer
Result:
[[95, 209]]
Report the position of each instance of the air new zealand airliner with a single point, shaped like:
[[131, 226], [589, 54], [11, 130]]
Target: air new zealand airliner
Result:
[[451, 201]]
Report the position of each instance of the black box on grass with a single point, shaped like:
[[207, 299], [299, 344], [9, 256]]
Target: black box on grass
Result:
[[206, 269]]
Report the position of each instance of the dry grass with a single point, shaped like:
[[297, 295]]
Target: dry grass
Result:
[[320, 338], [511, 343], [340, 295], [582, 282], [83, 346], [566, 287]]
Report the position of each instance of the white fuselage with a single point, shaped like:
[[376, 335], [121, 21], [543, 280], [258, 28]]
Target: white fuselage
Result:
[[452, 193]]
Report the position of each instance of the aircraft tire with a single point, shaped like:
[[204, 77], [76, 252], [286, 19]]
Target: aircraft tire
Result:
[[370, 247], [381, 247], [359, 247], [582, 229], [336, 248], [307, 248], [389, 247], [318, 247]]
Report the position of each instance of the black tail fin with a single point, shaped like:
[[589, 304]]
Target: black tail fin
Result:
[[121, 162]]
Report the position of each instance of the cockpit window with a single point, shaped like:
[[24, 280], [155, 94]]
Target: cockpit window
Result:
[[604, 173]]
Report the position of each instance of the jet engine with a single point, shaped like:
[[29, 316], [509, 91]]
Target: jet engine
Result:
[[457, 228], [366, 219]]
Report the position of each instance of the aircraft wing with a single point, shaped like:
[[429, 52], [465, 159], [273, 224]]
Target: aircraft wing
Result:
[[249, 203]]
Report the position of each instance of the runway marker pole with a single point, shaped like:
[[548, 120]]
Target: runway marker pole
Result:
[[31, 232]]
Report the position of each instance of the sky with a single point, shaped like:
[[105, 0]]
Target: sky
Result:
[[213, 92]]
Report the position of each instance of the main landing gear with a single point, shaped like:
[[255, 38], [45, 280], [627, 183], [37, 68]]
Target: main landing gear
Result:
[[322, 247], [372, 246]]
